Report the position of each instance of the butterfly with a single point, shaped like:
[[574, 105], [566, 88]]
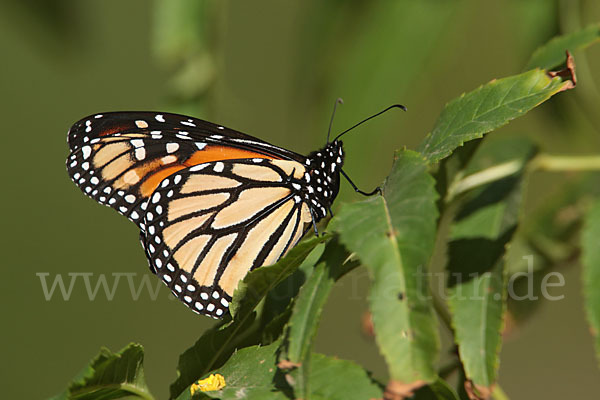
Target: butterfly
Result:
[[211, 203]]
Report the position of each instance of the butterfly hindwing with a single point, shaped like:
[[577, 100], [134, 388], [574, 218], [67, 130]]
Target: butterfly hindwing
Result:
[[208, 225]]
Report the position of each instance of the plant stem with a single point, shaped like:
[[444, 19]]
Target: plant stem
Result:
[[442, 311], [498, 393], [487, 175], [542, 162], [547, 162]]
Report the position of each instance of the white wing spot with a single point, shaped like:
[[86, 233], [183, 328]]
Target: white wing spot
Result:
[[219, 167], [156, 198], [137, 143], [172, 147], [140, 153], [200, 146], [187, 123], [141, 124], [86, 150], [159, 118]]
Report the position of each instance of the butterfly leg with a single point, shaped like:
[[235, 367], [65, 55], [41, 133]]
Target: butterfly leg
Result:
[[314, 221], [356, 189]]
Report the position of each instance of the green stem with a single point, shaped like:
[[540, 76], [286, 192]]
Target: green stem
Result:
[[480, 178], [498, 393], [547, 162], [542, 162], [442, 311], [132, 389]]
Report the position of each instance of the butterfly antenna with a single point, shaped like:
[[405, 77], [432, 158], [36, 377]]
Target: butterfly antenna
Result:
[[371, 117], [338, 101]]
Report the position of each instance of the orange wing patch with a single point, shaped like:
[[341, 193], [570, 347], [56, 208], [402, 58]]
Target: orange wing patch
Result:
[[157, 171]]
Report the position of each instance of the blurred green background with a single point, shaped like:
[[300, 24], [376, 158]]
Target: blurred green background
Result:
[[272, 69]]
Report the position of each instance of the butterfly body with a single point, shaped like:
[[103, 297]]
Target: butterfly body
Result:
[[211, 203]]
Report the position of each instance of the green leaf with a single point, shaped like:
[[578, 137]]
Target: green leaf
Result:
[[212, 350], [311, 299], [489, 107], [591, 271], [279, 302], [485, 223], [438, 390], [552, 53], [306, 314], [111, 376], [257, 284], [333, 379], [217, 344], [250, 373], [393, 235]]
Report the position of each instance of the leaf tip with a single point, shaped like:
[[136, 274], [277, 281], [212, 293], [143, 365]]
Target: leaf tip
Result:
[[567, 74]]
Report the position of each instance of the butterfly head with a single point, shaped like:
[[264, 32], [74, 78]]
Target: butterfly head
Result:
[[323, 176]]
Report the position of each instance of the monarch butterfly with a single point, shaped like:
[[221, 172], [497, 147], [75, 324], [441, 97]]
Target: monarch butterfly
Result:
[[211, 203]]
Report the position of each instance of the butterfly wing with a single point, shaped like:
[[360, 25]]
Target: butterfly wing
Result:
[[208, 225], [119, 158]]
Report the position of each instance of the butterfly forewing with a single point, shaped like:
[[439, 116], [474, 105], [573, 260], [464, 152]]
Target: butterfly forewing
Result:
[[119, 159], [210, 224]]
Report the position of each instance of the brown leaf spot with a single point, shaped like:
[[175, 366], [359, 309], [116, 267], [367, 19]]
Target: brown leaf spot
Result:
[[477, 392], [366, 323], [287, 364], [567, 74], [396, 390]]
